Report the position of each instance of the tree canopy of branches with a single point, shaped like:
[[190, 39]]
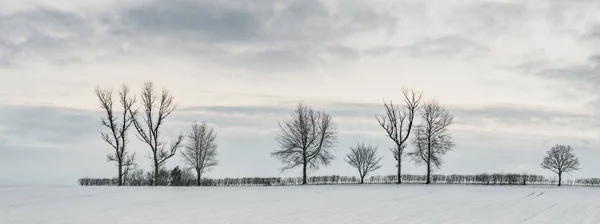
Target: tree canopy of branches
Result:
[[364, 158], [200, 152], [398, 124], [306, 140], [156, 108], [116, 137], [560, 159], [432, 139]]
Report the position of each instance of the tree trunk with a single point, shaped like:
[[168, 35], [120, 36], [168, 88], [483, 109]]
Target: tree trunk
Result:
[[428, 173], [304, 173], [399, 172], [428, 160], [120, 173], [362, 180], [399, 165], [155, 172], [198, 177], [559, 178]]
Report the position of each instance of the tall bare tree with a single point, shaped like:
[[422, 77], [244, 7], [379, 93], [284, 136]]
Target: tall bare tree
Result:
[[432, 138], [398, 124], [364, 158], [200, 152], [306, 140], [156, 108], [560, 159], [116, 137]]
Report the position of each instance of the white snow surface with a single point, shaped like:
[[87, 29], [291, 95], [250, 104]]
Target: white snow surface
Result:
[[459, 204]]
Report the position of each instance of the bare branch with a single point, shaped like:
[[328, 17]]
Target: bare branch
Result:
[[398, 123], [200, 152], [306, 140], [560, 159], [117, 137], [155, 110], [432, 139], [364, 158]]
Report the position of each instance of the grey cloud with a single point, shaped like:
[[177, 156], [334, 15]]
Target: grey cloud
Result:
[[57, 125], [446, 46], [595, 31], [259, 117], [505, 114], [530, 67], [583, 77], [450, 46], [257, 22], [512, 115], [39, 124], [487, 19], [344, 52], [584, 74], [216, 21], [277, 60], [296, 32], [30, 124], [336, 109], [239, 110], [51, 127], [54, 35], [382, 50], [289, 35]]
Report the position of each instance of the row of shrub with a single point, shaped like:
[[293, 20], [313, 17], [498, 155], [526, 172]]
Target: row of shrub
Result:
[[178, 177]]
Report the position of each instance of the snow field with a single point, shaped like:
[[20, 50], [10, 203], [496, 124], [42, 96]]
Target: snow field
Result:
[[449, 204]]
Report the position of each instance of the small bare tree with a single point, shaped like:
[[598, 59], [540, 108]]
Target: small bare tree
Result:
[[364, 158], [116, 137], [432, 139], [200, 153], [398, 124], [156, 109], [560, 159], [306, 140]]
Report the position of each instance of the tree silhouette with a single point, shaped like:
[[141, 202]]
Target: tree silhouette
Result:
[[398, 124], [116, 137], [156, 108], [364, 158], [306, 140], [560, 159]]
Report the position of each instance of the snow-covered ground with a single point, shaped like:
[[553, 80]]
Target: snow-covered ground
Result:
[[413, 204]]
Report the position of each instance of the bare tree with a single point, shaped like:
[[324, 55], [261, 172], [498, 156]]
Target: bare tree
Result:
[[116, 137], [156, 108], [560, 159], [432, 139], [201, 150], [398, 124], [364, 158], [306, 140]]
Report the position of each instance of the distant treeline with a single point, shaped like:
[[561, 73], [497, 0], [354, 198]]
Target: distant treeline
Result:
[[479, 179]]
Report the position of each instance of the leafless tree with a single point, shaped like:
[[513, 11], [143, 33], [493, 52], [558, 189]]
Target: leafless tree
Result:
[[398, 124], [116, 137], [156, 108], [364, 158], [432, 139], [560, 159], [200, 152], [306, 140]]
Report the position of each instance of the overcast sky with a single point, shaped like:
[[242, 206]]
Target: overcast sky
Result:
[[520, 76]]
